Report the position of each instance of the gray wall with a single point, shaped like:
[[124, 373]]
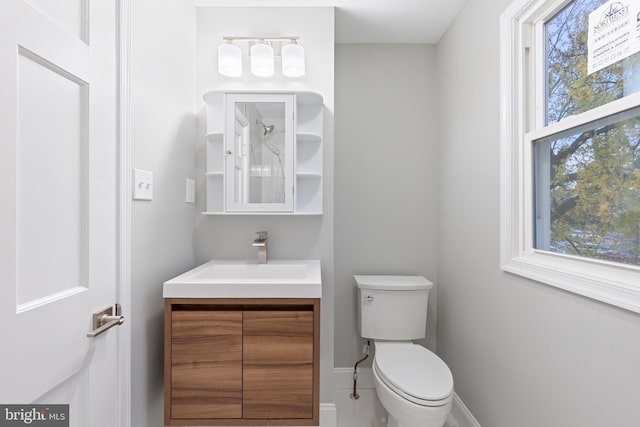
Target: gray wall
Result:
[[162, 140], [386, 175], [522, 353]]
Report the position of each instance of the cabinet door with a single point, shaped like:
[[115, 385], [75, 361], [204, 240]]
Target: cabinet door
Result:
[[259, 164], [278, 364], [206, 364]]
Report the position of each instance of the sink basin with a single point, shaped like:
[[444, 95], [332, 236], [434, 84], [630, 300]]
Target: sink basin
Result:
[[253, 271], [248, 279]]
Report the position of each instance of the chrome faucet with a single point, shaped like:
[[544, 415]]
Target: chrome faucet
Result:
[[260, 242]]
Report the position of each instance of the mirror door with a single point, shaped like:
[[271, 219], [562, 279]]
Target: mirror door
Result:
[[259, 136]]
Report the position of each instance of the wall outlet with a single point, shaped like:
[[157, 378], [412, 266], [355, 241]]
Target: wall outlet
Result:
[[142, 185], [191, 191]]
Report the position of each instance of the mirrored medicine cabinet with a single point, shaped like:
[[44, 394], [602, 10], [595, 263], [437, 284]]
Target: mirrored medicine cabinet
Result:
[[264, 153]]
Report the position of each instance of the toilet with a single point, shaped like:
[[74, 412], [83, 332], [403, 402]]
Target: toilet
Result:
[[413, 384]]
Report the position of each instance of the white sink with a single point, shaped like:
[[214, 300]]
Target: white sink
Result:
[[248, 279]]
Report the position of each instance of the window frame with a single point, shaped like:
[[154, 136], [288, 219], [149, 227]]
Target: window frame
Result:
[[522, 121]]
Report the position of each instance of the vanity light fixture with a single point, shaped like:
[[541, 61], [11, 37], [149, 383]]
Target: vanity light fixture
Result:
[[262, 54]]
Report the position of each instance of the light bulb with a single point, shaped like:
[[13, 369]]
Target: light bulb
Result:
[[293, 60], [229, 60], [262, 60]]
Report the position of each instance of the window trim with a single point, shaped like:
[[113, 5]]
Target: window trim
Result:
[[612, 283]]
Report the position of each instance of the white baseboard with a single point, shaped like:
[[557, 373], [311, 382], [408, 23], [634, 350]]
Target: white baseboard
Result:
[[460, 415], [328, 415], [343, 378]]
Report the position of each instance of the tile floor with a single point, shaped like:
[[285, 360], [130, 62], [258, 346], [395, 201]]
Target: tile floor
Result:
[[367, 411]]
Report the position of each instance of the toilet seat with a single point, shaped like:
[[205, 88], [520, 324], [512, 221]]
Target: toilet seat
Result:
[[414, 373]]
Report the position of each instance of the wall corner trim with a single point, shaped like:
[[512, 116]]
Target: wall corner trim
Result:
[[461, 415]]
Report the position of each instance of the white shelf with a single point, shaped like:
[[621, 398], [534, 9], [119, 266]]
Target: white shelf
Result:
[[215, 113], [215, 150], [309, 193], [308, 137], [309, 98], [308, 154], [309, 129], [215, 96], [221, 213], [215, 192], [215, 136]]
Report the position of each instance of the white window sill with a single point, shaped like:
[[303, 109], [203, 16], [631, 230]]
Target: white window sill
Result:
[[613, 284]]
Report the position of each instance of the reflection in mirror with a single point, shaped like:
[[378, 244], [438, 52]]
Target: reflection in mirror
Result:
[[259, 154]]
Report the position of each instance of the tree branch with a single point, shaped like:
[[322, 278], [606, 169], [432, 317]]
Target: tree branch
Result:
[[558, 210], [563, 154]]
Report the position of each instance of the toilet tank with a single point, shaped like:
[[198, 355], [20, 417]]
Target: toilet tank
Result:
[[392, 307]]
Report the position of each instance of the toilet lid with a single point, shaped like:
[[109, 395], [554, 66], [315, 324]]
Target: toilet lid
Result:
[[414, 370]]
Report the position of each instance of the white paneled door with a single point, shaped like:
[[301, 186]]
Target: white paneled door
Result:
[[58, 211]]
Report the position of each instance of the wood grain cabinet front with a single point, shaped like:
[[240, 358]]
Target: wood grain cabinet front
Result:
[[242, 362], [206, 364], [278, 364]]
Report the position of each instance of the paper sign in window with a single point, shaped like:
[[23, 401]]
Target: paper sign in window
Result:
[[614, 33]]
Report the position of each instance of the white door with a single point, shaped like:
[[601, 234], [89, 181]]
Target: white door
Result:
[[58, 176]]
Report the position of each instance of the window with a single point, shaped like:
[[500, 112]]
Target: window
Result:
[[570, 146]]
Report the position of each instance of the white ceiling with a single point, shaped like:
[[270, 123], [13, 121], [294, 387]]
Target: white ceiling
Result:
[[374, 21]]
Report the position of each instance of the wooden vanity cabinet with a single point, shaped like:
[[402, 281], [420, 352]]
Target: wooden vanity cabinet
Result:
[[242, 362]]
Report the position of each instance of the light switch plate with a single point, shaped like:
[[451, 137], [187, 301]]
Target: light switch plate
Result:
[[142, 185], [191, 191]]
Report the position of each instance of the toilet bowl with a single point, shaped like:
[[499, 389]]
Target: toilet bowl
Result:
[[413, 384]]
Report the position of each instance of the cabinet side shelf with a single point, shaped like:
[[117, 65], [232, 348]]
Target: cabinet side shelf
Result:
[[308, 137], [216, 136], [296, 213]]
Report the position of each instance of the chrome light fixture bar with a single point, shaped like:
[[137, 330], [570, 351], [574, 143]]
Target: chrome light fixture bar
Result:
[[262, 53]]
